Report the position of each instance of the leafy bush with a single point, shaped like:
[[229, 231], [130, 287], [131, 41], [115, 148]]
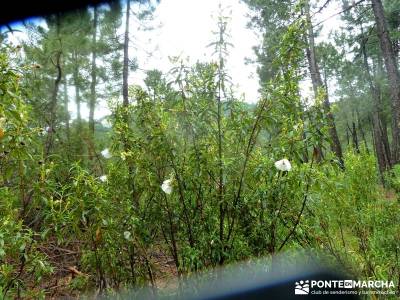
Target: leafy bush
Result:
[[392, 178]]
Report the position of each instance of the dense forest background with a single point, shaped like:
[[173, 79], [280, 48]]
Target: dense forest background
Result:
[[183, 175]]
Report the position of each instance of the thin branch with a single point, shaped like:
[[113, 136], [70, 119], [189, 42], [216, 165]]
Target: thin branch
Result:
[[300, 213], [338, 13]]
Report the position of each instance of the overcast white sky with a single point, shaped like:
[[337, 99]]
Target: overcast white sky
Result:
[[186, 29]]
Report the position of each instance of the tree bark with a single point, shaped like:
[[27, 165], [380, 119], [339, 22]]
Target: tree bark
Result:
[[392, 73], [125, 102], [53, 106], [382, 158], [125, 70], [382, 117], [66, 106], [354, 137], [92, 104], [54, 97], [77, 95], [361, 129], [318, 86]]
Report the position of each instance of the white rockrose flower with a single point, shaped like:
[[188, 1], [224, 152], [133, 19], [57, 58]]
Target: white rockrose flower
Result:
[[103, 178], [167, 186], [106, 153], [283, 165], [127, 235]]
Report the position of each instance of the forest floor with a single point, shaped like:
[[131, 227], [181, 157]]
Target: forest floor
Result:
[[389, 194], [65, 261]]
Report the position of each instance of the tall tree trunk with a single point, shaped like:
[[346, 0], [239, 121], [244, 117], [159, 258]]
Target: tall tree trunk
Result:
[[383, 121], [361, 129], [392, 73], [305, 144], [92, 104], [385, 140], [66, 106], [53, 106], [383, 159], [125, 70], [92, 101], [318, 87], [54, 96], [125, 74], [77, 95], [355, 137], [75, 76]]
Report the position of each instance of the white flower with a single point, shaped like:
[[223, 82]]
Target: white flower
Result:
[[283, 165], [166, 186], [103, 178], [106, 153], [127, 235]]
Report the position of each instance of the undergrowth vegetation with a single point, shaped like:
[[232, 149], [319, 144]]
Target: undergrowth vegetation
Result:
[[189, 175]]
